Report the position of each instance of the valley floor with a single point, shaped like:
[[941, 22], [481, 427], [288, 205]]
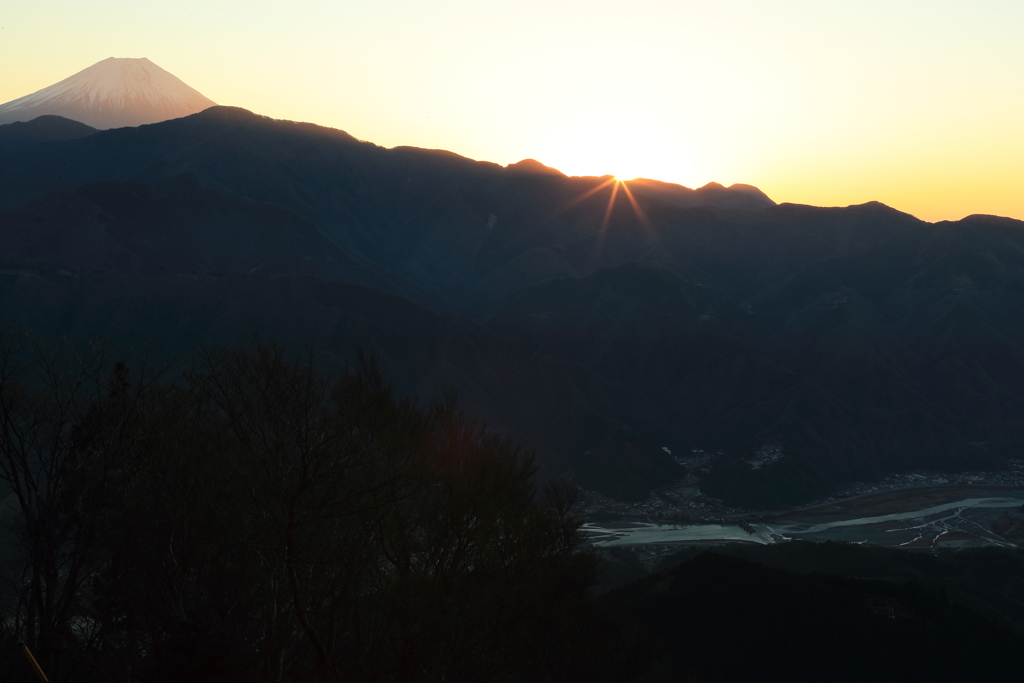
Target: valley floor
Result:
[[911, 511]]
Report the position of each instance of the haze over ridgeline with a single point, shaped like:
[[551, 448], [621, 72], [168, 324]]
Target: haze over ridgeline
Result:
[[113, 93], [595, 321]]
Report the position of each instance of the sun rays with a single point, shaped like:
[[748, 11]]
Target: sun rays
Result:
[[614, 185], [602, 231], [637, 210], [608, 209]]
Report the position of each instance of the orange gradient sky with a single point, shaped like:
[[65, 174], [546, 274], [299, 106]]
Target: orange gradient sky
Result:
[[918, 104]]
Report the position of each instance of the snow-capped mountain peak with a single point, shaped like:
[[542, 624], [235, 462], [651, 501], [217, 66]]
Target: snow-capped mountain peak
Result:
[[111, 94]]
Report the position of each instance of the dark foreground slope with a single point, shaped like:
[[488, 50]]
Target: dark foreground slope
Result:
[[860, 340], [989, 581], [721, 618]]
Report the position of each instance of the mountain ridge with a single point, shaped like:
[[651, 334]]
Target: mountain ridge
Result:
[[860, 340], [46, 128]]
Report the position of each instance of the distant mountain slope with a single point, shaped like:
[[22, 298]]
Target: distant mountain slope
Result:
[[908, 355], [860, 340], [441, 220], [42, 129], [738, 196], [171, 227], [717, 378], [607, 434], [111, 94]]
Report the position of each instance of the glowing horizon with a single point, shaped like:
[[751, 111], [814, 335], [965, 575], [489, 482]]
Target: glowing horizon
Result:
[[911, 103]]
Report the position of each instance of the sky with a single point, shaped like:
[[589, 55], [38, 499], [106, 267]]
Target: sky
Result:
[[915, 103]]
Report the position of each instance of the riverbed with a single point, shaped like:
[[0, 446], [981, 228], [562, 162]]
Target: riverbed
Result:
[[958, 523]]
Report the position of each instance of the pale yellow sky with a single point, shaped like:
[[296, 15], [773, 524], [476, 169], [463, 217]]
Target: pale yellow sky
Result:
[[914, 103]]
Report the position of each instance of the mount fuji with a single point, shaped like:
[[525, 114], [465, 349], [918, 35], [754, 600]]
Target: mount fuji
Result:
[[112, 93]]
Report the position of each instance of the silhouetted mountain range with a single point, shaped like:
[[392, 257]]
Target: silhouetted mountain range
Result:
[[860, 339], [42, 129]]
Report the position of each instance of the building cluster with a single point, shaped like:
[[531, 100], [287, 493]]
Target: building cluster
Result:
[[697, 461], [681, 503], [1013, 476], [766, 455]]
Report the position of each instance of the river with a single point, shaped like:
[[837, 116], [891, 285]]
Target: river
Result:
[[963, 521]]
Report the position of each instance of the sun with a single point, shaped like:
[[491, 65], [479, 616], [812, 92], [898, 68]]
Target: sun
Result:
[[609, 146]]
